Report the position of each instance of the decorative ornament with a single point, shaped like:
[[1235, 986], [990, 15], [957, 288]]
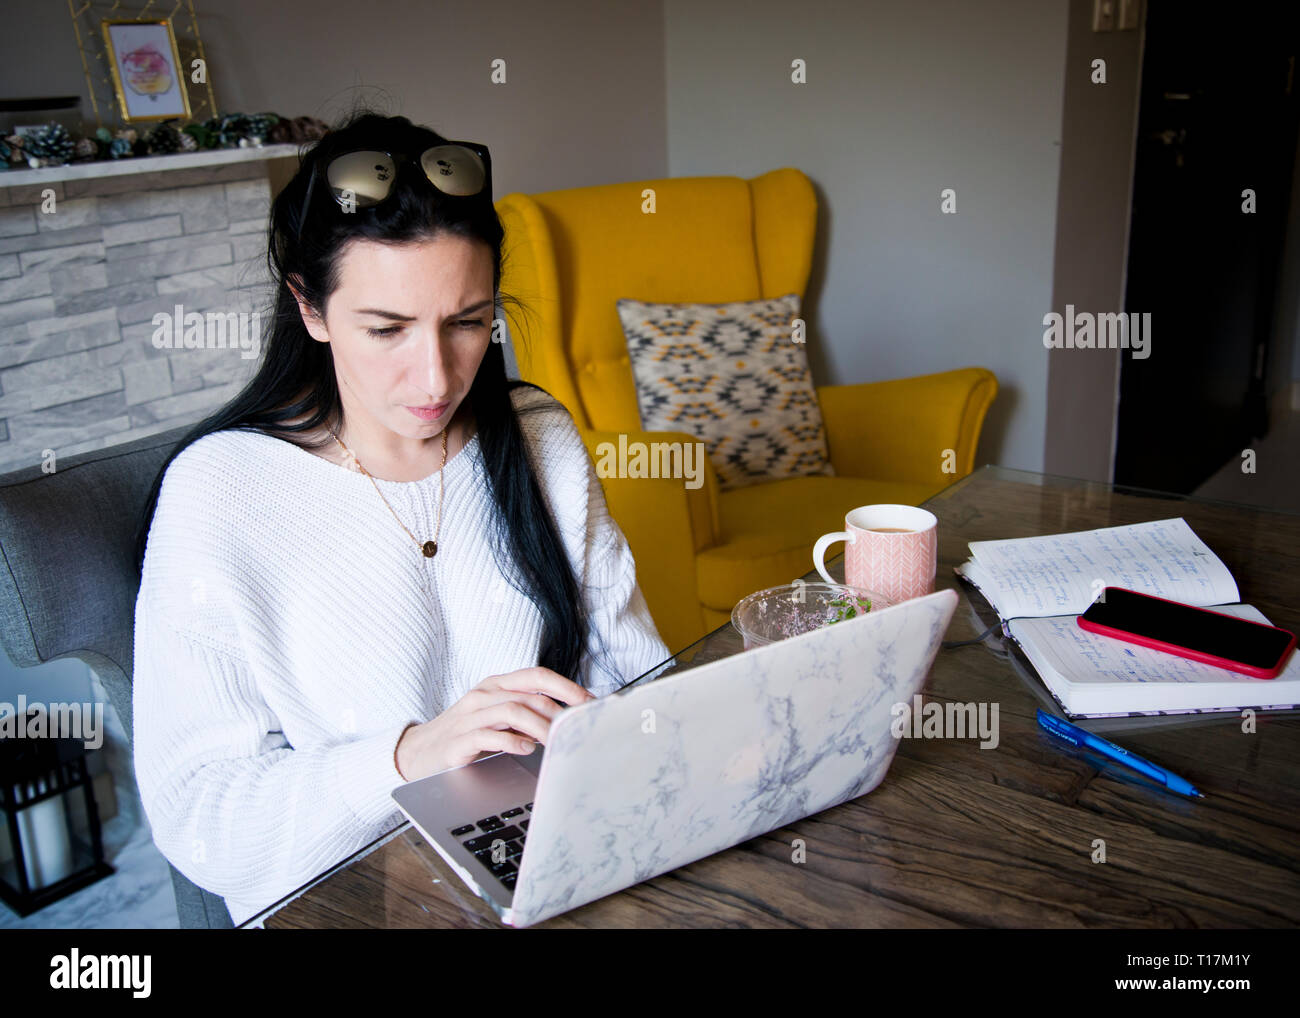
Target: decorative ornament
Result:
[[50, 145], [163, 139], [230, 129], [297, 130], [198, 133], [85, 150], [259, 126], [118, 146]]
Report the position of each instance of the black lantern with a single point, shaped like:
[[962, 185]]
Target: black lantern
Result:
[[53, 832]]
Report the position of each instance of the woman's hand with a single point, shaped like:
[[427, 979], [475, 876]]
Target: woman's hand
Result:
[[503, 712]]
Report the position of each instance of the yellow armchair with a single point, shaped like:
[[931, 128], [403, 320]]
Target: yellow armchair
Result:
[[570, 255]]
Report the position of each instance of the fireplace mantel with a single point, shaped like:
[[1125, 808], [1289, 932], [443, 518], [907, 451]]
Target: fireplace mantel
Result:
[[144, 164]]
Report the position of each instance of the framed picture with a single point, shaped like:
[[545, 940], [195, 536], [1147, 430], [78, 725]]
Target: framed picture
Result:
[[147, 75]]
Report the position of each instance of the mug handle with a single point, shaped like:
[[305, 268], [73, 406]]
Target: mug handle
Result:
[[819, 551]]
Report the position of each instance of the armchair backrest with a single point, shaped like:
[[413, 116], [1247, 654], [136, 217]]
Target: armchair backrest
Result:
[[570, 255], [68, 581]]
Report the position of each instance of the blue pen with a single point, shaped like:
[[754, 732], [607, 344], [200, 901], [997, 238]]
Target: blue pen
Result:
[[1078, 737]]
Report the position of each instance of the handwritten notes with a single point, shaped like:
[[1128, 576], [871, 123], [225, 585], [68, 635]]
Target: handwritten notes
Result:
[[1061, 574]]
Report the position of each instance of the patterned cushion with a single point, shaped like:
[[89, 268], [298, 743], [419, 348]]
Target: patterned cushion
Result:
[[733, 375]]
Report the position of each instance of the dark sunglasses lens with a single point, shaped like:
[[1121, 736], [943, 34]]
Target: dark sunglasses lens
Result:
[[454, 170], [363, 177]]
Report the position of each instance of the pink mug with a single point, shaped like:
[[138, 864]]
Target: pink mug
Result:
[[891, 549]]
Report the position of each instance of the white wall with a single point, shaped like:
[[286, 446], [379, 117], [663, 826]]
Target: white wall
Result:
[[902, 100]]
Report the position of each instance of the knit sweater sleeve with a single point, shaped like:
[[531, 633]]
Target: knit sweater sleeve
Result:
[[623, 641], [232, 805]]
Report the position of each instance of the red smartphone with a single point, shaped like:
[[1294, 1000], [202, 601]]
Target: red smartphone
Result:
[[1198, 633]]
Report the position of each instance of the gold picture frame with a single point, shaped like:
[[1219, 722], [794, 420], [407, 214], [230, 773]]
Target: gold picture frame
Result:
[[154, 86]]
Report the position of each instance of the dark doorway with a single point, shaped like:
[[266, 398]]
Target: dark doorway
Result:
[[1217, 115]]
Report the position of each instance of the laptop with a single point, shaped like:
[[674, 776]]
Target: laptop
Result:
[[662, 773]]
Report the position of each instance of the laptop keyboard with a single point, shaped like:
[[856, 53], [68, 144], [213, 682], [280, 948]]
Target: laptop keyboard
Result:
[[508, 826]]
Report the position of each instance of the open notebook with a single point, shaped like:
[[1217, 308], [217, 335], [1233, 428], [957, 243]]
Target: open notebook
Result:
[[1040, 585]]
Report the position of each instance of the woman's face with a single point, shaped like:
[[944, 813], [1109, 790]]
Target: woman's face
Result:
[[408, 326]]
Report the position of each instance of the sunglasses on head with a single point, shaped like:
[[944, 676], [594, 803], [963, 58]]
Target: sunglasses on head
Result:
[[363, 178]]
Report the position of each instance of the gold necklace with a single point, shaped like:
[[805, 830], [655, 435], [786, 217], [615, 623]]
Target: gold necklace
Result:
[[429, 548]]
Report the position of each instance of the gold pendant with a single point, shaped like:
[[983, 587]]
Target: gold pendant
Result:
[[430, 548]]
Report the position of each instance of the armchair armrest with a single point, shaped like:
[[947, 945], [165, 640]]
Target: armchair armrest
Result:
[[903, 429], [666, 522]]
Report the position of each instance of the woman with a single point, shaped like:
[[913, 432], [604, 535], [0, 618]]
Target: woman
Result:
[[382, 558]]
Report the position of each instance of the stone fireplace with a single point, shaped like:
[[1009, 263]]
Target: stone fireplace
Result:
[[82, 277]]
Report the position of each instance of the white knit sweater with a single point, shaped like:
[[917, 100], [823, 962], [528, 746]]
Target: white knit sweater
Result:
[[287, 630]]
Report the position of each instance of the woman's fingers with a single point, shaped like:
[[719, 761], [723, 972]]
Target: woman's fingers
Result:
[[511, 714], [533, 701], [490, 740], [543, 680]]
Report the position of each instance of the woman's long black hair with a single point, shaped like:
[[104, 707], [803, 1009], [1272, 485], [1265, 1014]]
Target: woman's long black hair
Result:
[[296, 374]]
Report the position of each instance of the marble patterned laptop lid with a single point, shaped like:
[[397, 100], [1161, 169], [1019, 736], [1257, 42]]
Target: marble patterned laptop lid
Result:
[[639, 783]]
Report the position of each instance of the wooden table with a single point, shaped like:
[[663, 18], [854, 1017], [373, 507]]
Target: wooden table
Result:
[[963, 836]]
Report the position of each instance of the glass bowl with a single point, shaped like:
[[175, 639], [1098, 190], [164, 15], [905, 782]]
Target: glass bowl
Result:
[[778, 613]]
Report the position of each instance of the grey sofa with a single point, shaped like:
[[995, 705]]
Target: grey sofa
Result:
[[68, 582]]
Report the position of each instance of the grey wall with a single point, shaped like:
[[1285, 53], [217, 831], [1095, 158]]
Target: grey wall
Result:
[[583, 102], [1091, 251], [902, 101]]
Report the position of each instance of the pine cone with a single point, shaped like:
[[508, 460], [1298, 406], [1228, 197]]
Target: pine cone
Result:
[[297, 130], [231, 129], [281, 132], [313, 129], [259, 126], [50, 145], [163, 139]]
